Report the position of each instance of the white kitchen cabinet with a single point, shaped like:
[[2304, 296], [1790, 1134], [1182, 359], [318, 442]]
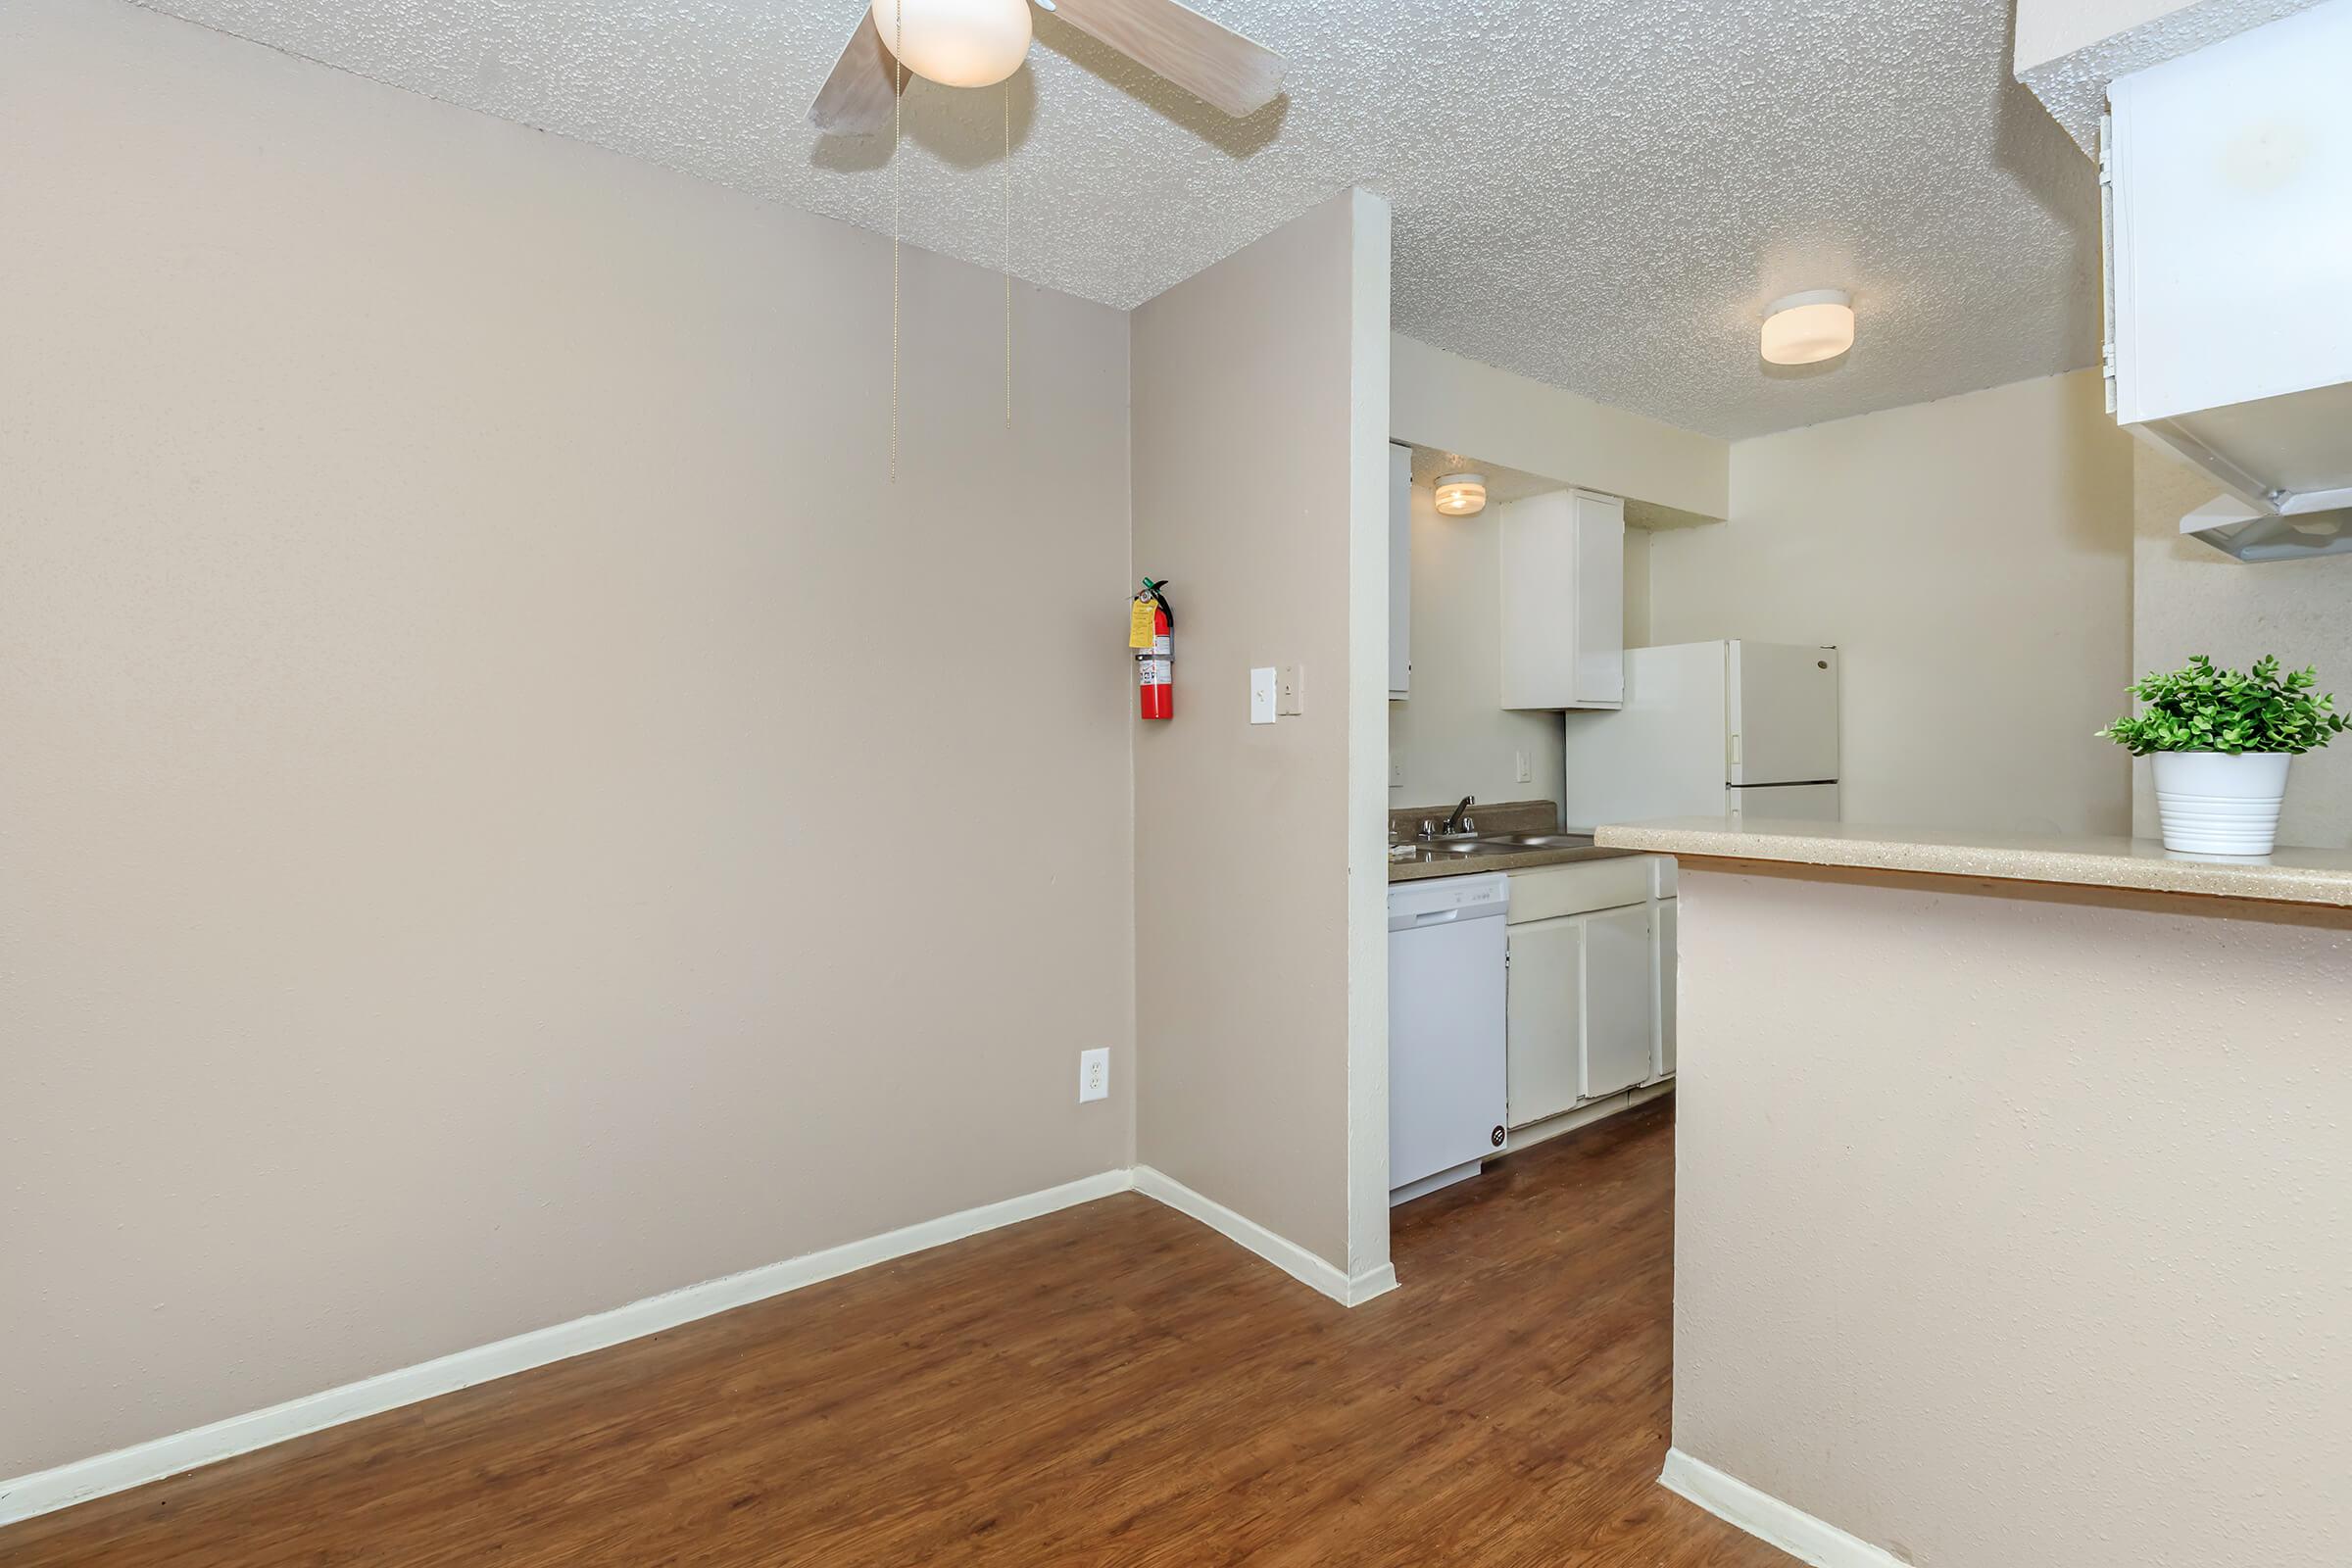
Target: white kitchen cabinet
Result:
[[1580, 1020], [1582, 1017], [1563, 601], [1664, 965], [1583, 886], [1400, 573], [1543, 1017], [1621, 1019], [2230, 240]]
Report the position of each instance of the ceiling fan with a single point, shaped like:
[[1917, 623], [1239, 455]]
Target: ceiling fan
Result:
[[973, 43]]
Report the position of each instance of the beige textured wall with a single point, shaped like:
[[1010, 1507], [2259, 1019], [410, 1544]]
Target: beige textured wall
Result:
[[2049, 28], [1973, 558], [2188, 597], [1638, 544], [1442, 400], [1453, 735], [453, 629], [1370, 352], [1246, 834], [2057, 1271]]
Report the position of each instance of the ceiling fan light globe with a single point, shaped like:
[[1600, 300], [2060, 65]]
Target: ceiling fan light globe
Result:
[[956, 43]]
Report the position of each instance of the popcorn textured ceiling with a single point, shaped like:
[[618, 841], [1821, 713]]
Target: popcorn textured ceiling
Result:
[[1602, 194]]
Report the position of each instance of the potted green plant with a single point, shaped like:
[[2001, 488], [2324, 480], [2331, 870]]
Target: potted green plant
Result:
[[2220, 741]]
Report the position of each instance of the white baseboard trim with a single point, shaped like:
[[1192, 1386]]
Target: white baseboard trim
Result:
[[1465, 1171], [1768, 1518], [1284, 1254], [1568, 1121], [45, 1491]]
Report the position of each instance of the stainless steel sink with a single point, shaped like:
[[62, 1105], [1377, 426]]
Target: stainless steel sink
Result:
[[1540, 841], [1425, 851], [1468, 846]]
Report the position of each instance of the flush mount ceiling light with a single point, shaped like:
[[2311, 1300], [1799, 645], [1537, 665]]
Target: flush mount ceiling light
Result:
[[957, 43], [1463, 495], [1809, 328]]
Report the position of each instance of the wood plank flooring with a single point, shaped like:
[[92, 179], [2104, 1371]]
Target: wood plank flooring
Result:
[[1113, 1385]]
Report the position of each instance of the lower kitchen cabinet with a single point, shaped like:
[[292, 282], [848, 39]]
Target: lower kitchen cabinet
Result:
[[1620, 1001], [1543, 1017], [1590, 1005], [1665, 967]]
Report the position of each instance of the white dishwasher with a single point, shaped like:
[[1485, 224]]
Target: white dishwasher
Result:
[[1446, 1006]]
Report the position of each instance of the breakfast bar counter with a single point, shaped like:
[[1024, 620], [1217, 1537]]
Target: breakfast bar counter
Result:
[[2011, 1219], [2290, 875]]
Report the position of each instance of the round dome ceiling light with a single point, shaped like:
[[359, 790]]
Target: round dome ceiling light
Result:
[[1463, 495], [1809, 328], [959, 43]]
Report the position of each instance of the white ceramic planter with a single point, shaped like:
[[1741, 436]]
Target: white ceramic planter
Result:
[[2211, 803]]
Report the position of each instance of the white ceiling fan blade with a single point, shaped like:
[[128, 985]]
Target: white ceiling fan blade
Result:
[[854, 100], [1206, 58]]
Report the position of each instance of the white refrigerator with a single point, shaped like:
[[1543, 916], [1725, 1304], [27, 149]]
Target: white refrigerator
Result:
[[1735, 729]]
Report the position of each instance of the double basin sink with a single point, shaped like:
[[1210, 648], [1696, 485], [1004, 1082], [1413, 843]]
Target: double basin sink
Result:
[[1506, 843], [1469, 847]]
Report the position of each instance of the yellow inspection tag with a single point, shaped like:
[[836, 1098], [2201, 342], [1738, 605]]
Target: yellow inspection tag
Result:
[[1138, 622]]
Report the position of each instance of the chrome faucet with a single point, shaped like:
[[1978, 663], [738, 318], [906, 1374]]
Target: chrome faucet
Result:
[[1458, 822]]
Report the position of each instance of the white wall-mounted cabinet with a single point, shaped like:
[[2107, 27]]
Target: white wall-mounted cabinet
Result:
[[1400, 573], [1589, 1009], [1563, 601], [2230, 268]]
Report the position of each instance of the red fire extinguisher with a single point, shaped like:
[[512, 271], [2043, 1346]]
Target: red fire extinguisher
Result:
[[1148, 628]]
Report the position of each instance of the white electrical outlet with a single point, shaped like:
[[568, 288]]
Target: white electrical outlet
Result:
[[1396, 774], [1093, 1074], [1527, 774]]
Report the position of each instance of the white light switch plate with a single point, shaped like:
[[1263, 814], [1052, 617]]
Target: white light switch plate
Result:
[[1261, 696], [1292, 696]]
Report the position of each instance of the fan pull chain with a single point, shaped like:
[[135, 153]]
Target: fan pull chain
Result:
[[898, 84], [1007, 186]]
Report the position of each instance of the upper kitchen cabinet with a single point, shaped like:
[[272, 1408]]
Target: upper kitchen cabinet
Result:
[[1400, 573], [2230, 175], [1563, 601]]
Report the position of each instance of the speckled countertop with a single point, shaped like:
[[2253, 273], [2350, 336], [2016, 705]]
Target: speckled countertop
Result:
[[2289, 877]]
